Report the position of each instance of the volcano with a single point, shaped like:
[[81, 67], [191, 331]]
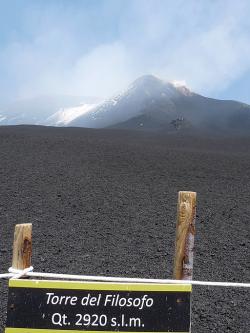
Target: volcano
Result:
[[153, 104]]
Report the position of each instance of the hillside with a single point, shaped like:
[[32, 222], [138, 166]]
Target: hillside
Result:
[[104, 202]]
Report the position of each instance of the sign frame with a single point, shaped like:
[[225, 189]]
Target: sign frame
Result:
[[19, 288]]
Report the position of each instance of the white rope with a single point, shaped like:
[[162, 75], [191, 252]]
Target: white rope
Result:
[[6, 275], [15, 274]]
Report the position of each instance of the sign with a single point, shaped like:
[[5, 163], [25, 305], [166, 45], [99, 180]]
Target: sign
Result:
[[56, 306]]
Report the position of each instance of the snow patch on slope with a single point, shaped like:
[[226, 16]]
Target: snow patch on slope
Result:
[[65, 115], [2, 118]]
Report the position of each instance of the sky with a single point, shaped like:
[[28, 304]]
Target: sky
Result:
[[97, 47]]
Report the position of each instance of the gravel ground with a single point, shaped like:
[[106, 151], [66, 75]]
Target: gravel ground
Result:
[[104, 202]]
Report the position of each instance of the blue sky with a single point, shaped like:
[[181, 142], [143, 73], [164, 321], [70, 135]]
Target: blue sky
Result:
[[97, 47]]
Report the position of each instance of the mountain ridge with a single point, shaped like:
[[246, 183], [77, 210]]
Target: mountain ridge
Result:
[[164, 103], [37, 110], [148, 104]]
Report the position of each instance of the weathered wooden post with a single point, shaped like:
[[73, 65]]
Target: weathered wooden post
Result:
[[185, 232], [22, 246]]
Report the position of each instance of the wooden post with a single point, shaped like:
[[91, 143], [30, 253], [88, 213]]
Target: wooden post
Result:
[[22, 246], [185, 231]]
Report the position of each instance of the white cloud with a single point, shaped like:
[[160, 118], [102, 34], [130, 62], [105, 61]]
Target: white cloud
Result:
[[211, 60], [207, 44], [101, 71]]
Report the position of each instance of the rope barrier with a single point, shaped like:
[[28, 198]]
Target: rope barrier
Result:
[[6, 275], [20, 273], [16, 274]]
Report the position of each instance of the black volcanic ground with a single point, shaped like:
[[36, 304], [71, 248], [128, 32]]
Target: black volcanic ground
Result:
[[104, 202]]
